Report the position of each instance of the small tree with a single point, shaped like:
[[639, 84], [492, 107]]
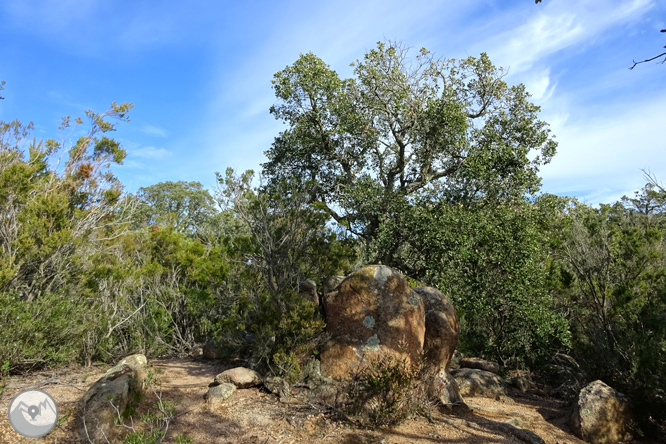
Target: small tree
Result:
[[287, 242]]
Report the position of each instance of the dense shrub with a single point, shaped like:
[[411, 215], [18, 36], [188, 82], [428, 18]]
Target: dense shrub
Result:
[[386, 392], [488, 256], [608, 271]]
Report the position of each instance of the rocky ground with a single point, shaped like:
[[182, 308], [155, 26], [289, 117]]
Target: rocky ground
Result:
[[252, 416]]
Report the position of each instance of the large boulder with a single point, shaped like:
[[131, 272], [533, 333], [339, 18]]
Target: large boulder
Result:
[[475, 382], [441, 336], [371, 313], [108, 397], [601, 415]]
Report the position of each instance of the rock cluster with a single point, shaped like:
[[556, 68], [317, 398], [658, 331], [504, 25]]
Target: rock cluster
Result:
[[475, 382], [226, 383]]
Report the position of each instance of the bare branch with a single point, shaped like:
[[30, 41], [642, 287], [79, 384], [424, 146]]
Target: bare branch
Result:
[[663, 54]]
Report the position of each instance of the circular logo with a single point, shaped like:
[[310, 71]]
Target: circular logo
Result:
[[33, 413]]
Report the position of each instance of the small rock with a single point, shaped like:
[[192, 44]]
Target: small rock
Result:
[[601, 415], [522, 381], [475, 382], [196, 352], [219, 393], [240, 377], [481, 364], [326, 393], [212, 350], [311, 373], [444, 388], [308, 291]]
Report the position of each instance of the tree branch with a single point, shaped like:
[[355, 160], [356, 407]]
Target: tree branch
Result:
[[663, 54]]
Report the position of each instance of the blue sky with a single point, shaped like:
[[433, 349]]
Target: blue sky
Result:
[[199, 74]]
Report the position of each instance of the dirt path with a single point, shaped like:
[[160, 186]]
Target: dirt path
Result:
[[251, 416]]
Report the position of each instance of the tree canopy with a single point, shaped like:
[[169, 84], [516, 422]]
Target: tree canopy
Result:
[[402, 126], [185, 206]]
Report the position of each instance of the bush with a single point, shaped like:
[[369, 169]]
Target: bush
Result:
[[384, 393], [47, 331]]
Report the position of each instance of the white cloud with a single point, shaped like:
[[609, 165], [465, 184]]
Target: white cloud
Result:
[[559, 25], [602, 151], [540, 85], [153, 130], [149, 152]]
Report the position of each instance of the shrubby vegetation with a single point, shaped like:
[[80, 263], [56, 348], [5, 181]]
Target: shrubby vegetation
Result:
[[425, 165]]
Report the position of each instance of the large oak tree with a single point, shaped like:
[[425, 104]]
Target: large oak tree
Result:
[[403, 126]]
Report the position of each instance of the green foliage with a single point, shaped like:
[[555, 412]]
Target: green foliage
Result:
[[47, 331], [183, 439], [143, 437], [608, 272], [401, 126], [488, 257], [185, 206], [383, 393], [4, 374], [154, 424], [164, 285], [283, 241]]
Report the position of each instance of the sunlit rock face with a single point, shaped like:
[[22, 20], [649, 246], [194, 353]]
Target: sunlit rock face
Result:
[[372, 312], [601, 415]]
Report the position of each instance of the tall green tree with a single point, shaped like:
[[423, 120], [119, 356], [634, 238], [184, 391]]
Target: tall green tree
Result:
[[185, 206], [401, 126]]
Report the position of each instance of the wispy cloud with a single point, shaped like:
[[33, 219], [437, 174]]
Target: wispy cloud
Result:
[[602, 151], [149, 152], [559, 25], [540, 84], [153, 130]]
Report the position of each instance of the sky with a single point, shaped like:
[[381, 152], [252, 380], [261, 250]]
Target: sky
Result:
[[199, 75]]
